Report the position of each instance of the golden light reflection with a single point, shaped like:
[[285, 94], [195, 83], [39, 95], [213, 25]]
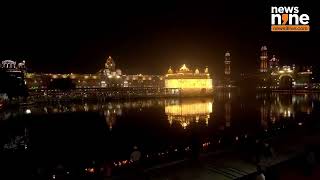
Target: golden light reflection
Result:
[[110, 117], [187, 111], [284, 106], [227, 107]]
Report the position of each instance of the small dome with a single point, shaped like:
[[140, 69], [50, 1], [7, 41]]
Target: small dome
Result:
[[118, 71], [206, 70], [170, 70], [264, 48], [184, 68], [110, 64]]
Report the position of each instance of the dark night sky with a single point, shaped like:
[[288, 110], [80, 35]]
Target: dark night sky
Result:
[[149, 37]]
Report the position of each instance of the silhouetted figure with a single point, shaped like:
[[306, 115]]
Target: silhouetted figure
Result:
[[268, 151], [310, 161], [257, 151], [195, 145], [135, 155], [106, 168], [135, 158]]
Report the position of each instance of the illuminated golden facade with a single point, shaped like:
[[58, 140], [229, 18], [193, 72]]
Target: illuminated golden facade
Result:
[[186, 111], [189, 82], [106, 77], [181, 82]]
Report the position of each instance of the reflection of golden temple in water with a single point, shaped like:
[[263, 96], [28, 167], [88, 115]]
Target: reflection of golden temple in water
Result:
[[272, 108], [186, 111], [111, 117], [227, 116], [110, 110]]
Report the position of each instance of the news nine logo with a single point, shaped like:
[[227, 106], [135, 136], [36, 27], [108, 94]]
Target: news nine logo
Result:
[[289, 19]]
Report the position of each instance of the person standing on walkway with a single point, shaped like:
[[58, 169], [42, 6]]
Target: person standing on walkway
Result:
[[268, 153], [135, 155], [135, 159], [268, 150]]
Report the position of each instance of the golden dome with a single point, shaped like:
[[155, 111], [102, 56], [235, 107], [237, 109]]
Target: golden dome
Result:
[[206, 70], [170, 70], [184, 68]]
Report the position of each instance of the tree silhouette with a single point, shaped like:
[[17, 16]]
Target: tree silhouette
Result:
[[12, 83]]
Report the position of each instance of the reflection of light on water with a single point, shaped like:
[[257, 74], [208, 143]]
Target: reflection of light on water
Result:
[[285, 112], [273, 119], [206, 144], [119, 112], [45, 109], [285, 106], [184, 124], [86, 107], [90, 170], [187, 111], [197, 119], [308, 111], [110, 117], [28, 111], [73, 109], [227, 117]]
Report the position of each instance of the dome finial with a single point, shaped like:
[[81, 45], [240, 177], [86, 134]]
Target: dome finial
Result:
[[206, 70], [170, 70], [184, 68]]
